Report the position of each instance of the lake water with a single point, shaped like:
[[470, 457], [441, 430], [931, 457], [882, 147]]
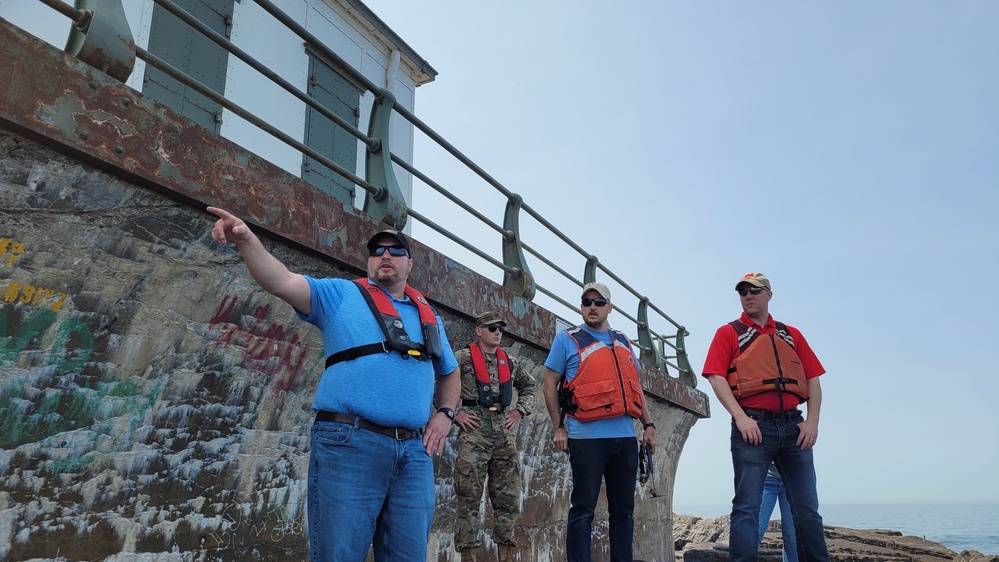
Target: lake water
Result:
[[958, 526]]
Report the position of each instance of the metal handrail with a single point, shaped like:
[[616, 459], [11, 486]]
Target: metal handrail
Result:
[[651, 345], [167, 68], [242, 55]]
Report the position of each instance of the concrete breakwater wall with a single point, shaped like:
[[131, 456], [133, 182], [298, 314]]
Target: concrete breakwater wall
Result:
[[154, 402]]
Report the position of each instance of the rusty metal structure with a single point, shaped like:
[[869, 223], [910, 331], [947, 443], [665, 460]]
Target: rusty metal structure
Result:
[[155, 402]]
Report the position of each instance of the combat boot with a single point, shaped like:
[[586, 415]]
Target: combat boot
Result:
[[467, 554], [505, 552]]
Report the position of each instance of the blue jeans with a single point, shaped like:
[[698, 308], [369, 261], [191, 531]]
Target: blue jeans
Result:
[[615, 461], [773, 492], [750, 464], [367, 489]]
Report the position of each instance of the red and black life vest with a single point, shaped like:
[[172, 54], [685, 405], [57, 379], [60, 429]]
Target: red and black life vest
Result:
[[483, 382], [606, 384], [766, 364], [396, 337]]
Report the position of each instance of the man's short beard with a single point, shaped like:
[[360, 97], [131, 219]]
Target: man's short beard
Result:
[[388, 280]]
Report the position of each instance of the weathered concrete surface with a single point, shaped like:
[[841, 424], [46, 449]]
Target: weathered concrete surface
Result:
[[154, 402]]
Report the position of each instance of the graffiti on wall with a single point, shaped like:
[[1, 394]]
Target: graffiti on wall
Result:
[[71, 340], [267, 346], [244, 522], [54, 346], [10, 251], [63, 407]]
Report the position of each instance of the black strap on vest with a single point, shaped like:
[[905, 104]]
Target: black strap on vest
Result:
[[355, 352], [741, 330], [383, 346]]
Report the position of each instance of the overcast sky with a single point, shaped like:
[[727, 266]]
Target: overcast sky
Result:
[[848, 150]]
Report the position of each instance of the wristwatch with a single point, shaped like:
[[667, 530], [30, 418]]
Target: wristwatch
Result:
[[449, 412], [648, 425]]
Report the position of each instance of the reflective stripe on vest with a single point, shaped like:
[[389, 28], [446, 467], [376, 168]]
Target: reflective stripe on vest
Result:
[[766, 364], [484, 383], [606, 384]]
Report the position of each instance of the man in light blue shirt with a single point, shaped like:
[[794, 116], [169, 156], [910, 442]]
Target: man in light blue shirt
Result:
[[371, 481], [592, 374]]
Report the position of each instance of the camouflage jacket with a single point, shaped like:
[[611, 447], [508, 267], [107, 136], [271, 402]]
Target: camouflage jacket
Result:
[[523, 399]]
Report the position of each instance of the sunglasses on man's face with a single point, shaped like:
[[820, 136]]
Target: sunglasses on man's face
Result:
[[494, 327], [394, 251], [597, 301], [750, 291]]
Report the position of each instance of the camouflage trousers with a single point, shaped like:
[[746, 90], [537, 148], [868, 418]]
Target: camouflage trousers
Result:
[[487, 453]]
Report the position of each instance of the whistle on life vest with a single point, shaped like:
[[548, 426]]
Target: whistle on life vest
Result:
[[413, 353], [493, 408]]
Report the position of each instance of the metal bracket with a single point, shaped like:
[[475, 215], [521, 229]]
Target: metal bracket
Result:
[[682, 361], [389, 204], [103, 38], [650, 351], [521, 281], [590, 271]]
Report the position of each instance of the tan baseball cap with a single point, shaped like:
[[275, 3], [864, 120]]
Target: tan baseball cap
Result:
[[754, 279], [598, 287], [489, 318]]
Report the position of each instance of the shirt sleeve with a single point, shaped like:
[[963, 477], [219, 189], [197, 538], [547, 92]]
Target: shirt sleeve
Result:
[[724, 347], [556, 355], [446, 363], [326, 295]]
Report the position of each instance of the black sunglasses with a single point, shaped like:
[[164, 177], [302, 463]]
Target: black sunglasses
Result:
[[749, 291], [494, 327], [597, 301], [394, 251]]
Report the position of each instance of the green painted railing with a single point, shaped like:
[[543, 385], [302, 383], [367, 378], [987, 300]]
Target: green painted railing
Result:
[[100, 36]]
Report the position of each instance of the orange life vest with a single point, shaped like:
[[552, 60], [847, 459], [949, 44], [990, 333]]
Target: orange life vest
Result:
[[606, 384], [484, 383], [396, 337], [766, 364]]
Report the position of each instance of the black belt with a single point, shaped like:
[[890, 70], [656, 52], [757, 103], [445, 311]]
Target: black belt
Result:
[[765, 414], [397, 433], [472, 402]]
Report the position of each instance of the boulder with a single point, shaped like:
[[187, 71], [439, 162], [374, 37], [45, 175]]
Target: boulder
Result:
[[706, 540]]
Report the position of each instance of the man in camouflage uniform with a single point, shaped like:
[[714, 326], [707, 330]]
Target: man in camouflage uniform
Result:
[[487, 444]]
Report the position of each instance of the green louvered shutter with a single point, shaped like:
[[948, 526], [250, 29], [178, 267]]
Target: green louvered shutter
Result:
[[192, 53], [341, 96]]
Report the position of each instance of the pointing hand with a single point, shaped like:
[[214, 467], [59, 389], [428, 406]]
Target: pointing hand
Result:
[[228, 228]]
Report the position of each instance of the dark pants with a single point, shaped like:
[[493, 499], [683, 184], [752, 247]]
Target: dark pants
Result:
[[615, 461], [797, 471]]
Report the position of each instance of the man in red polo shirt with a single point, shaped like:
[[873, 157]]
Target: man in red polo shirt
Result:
[[761, 371]]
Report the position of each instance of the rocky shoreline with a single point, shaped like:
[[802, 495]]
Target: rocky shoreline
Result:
[[706, 540]]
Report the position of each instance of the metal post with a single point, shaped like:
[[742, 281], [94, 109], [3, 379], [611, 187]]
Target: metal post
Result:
[[590, 271], [650, 353], [520, 281], [683, 362], [388, 205], [103, 40]]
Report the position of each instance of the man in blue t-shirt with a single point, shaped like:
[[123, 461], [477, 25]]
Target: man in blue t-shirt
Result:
[[592, 374], [371, 480]]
